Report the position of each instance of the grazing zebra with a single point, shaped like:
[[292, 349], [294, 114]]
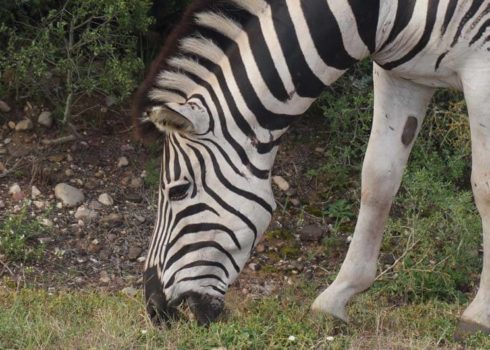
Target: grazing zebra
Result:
[[225, 88]]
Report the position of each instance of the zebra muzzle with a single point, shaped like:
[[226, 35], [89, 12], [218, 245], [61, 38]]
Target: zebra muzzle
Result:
[[206, 308]]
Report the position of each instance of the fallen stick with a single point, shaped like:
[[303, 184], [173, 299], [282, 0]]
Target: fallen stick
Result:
[[60, 140]]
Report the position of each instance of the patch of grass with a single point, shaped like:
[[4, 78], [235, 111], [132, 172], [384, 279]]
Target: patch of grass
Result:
[[37, 320], [17, 237]]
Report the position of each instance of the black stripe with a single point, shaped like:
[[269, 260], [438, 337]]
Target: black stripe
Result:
[[177, 169], [439, 59], [480, 32], [218, 198], [404, 13], [189, 168], [326, 34], [220, 291], [189, 248], [192, 210], [201, 277], [451, 8], [305, 81], [203, 227], [248, 195], [366, 13], [227, 158], [261, 53], [429, 26], [475, 5], [198, 263]]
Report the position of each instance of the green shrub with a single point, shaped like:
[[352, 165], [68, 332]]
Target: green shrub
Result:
[[71, 50]]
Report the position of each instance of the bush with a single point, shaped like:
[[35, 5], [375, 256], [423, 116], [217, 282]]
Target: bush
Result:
[[63, 51]]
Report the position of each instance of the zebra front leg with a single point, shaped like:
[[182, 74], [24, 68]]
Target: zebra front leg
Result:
[[399, 109], [477, 92]]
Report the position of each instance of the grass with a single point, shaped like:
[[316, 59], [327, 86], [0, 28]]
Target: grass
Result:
[[88, 320]]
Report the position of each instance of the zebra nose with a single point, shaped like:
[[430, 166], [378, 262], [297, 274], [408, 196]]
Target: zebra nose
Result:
[[156, 304], [206, 308]]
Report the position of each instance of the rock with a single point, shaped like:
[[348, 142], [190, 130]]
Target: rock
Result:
[[106, 199], [95, 205], [24, 125], [141, 259], [281, 183], [134, 253], [311, 233], [7, 141], [112, 219], [70, 196], [47, 222], [141, 219], [2, 168], [39, 204], [111, 237], [104, 277], [15, 188], [122, 162], [11, 125], [57, 158], [136, 183], [2, 204], [85, 213], [45, 119], [35, 192], [133, 197], [254, 266], [260, 248], [69, 173], [130, 291], [295, 202], [45, 240], [4, 107]]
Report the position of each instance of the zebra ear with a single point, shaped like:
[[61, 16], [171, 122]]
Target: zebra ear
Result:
[[166, 119]]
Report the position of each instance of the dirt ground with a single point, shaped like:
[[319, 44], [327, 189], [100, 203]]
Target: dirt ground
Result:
[[107, 250]]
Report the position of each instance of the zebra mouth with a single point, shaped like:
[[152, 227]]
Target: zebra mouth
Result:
[[206, 308]]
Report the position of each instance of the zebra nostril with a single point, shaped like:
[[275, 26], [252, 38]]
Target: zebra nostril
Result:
[[206, 308], [157, 306]]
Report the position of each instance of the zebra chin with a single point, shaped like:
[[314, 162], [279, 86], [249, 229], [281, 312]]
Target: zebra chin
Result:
[[205, 307]]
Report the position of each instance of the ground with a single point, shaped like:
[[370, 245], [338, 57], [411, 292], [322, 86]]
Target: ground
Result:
[[77, 280]]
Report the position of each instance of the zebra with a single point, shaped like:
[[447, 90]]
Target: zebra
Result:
[[227, 85]]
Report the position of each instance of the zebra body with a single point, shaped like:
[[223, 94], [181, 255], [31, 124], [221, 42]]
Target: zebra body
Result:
[[234, 76]]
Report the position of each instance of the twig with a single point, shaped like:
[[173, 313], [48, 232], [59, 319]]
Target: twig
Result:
[[60, 140], [126, 131], [400, 258], [11, 170], [5, 267]]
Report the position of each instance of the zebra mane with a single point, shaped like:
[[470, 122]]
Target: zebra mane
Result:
[[184, 37]]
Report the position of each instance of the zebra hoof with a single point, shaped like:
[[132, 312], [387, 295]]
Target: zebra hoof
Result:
[[332, 309], [467, 328]]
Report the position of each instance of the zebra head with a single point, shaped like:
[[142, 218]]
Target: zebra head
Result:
[[214, 204]]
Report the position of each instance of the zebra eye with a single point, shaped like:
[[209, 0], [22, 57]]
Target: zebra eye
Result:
[[178, 192]]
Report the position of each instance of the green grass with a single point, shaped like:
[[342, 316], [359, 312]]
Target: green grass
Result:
[[36, 320]]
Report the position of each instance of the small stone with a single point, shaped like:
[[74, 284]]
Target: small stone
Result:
[[35, 192], [85, 213], [106, 199], [254, 267], [133, 197], [122, 162], [330, 338], [111, 237], [349, 239], [295, 202], [69, 173], [45, 240], [110, 101], [134, 253], [2, 168], [130, 291], [39, 204], [45, 119], [4, 107], [95, 205], [15, 188], [57, 158], [69, 158], [260, 248], [141, 259], [70, 196], [311, 233], [319, 150], [136, 183], [2, 204], [24, 125], [141, 219], [11, 125], [104, 277], [281, 183], [47, 222], [7, 141], [112, 219]]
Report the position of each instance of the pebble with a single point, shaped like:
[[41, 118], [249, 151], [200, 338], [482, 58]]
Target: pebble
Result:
[[95, 205], [134, 253], [136, 183], [45, 119], [24, 125], [2, 204], [15, 188], [85, 213], [106, 199], [295, 202], [141, 259], [254, 266], [39, 204], [130, 291], [35, 192], [141, 219], [104, 277], [47, 222], [260, 248], [2, 168], [4, 107], [7, 141], [69, 172], [70, 196], [11, 125], [311, 233], [44, 240], [111, 237], [281, 183], [122, 162], [112, 218]]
